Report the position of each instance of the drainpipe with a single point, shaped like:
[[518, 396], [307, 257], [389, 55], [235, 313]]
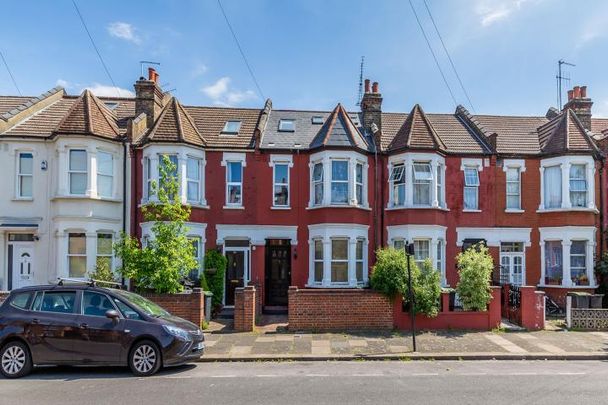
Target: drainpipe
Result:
[[376, 199], [601, 208]]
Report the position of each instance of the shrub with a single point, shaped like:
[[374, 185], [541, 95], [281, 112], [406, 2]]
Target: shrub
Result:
[[428, 290], [103, 272], [215, 281], [164, 263], [475, 267]]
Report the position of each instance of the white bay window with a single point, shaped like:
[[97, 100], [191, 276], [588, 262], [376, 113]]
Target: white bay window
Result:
[[567, 183], [416, 180]]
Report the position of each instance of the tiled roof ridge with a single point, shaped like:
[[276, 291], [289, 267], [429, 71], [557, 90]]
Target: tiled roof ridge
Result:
[[30, 102], [475, 126], [152, 131], [190, 121], [262, 123], [178, 120], [334, 116], [438, 141], [587, 135]]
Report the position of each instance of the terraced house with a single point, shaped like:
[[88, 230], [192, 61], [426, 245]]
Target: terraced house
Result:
[[303, 198]]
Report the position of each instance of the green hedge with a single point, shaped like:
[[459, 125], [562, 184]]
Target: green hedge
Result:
[[215, 281]]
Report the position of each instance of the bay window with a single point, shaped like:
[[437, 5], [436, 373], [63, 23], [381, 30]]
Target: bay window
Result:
[[339, 260], [416, 180], [78, 171], [578, 185], [553, 187], [397, 180], [105, 174], [104, 257], [422, 184], [25, 174], [471, 188], [77, 255], [338, 178], [193, 180], [567, 183], [339, 182]]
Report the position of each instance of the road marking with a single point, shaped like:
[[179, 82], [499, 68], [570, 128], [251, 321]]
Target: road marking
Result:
[[267, 375], [223, 376], [472, 374], [424, 374], [317, 375], [572, 373], [505, 344], [369, 375]]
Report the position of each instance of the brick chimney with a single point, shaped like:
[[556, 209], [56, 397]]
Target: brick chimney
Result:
[[580, 104], [149, 98], [371, 107]]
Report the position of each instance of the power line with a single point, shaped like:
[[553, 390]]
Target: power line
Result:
[[449, 57], [241, 50], [84, 24], [433, 53], [10, 73]]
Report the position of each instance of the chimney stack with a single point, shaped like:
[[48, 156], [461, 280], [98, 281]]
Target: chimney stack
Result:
[[371, 108], [149, 98], [580, 104]]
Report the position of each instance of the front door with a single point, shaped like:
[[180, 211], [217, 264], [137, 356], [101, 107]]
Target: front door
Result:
[[23, 264], [512, 262], [236, 271], [278, 272]]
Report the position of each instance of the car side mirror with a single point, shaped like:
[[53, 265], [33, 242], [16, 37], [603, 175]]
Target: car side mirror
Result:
[[112, 314]]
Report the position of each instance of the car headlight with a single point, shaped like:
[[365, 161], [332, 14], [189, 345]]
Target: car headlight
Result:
[[177, 332]]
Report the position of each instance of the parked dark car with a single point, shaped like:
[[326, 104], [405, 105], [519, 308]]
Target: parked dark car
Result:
[[85, 324]]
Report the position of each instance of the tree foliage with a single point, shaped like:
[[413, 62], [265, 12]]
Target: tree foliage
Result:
[[215, 281], [168, 256], [475, 267], [390, 277]]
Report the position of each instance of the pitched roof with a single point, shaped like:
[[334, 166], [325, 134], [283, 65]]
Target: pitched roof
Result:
[[565, 133], [174, 124], [339, 130], [210, 122], [43, 123], [516, 135], [89, 116], [416, 132]]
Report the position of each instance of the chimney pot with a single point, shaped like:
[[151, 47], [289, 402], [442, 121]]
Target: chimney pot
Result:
[[583, 91], [151, 72], [577, 92], [570, 94], [367, 85], [375, 87]]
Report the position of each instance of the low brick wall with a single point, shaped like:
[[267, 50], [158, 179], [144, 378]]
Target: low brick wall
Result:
[[188, 305], [3, 296], [558, 294], [321, 309], [244, 309], [530, 313], [459, 320]]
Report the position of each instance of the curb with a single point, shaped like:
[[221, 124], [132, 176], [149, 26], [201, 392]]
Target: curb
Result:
[[407, 356]]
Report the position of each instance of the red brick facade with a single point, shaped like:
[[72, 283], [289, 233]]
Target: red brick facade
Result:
[[189, 305], [244, 309]]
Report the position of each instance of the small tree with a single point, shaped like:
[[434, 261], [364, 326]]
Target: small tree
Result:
[[103, 271], [168, 256], [215, 281], [428, 290], [475, 267], [389, 274]]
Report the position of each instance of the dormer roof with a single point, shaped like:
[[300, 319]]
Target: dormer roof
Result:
[[88, 116], [417, 132], [340, 131]]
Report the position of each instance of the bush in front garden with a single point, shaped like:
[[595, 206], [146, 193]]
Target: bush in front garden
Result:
[[215, 280], [475, 267]]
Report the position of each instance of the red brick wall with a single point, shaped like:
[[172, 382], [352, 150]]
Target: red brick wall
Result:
[[189, 306], [338, 309], [558, 294], [531, 312], [244, 309]]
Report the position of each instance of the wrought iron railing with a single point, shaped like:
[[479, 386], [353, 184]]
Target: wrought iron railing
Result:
[[514, 296]]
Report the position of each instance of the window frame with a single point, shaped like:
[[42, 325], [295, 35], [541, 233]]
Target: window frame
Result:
[[417, 241], [511, 194], [577, 179], [84, 255], [21, 176], [75, 172], [359, 185], [238, 184], [317, 260], [397, 178], [337, 182], [422, 182], [198, 182], [584, 256], [226, 129], [105, 175], [318, 182], [276, 184], [360, 242], [472, 187], [287, 122], [110, 255], [339, 261]]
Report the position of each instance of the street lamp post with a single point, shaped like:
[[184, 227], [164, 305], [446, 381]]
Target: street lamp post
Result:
[[409, 251]]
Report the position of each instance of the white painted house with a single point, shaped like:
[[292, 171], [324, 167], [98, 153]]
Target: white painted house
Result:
[[62, 160]]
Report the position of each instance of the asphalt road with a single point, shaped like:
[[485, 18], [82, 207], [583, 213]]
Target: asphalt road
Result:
[[381, 382]]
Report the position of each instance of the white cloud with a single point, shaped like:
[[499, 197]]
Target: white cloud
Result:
[[221, 93], [102, 90], [124, 31], [492, 11], [199, 70], [63, 83]]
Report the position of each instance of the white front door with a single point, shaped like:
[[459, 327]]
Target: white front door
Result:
[[23, 264], [512, 262]]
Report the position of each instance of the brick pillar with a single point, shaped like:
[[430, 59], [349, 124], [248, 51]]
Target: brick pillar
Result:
[[197, 306], [505, 300], [495, 309], [292, 307], [532, 308], [244, 309]]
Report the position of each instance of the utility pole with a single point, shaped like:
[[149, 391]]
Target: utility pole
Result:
[[409, 251], [559, 78]]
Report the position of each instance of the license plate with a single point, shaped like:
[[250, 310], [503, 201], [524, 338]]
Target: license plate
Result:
[[200, 346]]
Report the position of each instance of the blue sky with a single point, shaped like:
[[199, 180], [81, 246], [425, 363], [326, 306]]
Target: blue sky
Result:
[[306, 53]]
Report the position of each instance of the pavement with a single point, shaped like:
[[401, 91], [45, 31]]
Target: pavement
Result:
[[276, 343], [330, 382]]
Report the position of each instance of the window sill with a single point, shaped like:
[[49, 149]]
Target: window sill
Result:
[[233, 207], [23, 199], [513, 211], [199, 206], [337, 285], [86, 197], [572, 287], [545, 210], [280, 208], [361, 207], [415, 207], [471, 210]]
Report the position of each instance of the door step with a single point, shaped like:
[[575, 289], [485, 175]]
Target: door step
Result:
[[275, 310], [226, 313]]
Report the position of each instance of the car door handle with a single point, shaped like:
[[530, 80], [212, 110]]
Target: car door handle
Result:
[[35, 321], [83, 326]]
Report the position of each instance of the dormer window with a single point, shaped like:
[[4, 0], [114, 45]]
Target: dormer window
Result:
[[232, 127], [317, 120], [111, 105], [287, 125]]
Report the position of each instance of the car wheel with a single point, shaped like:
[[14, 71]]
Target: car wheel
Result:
[[144, 358], [15, 360]]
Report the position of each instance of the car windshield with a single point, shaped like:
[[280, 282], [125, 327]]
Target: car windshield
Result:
[[142, 303]]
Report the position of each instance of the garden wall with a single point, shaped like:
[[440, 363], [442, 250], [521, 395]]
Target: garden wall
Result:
[[187, 305], [323, 309], [244, 309], [463, 320], [529, 312]]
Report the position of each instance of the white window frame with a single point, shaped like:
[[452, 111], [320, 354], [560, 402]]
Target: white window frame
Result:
[[337, 182], [70, 171], [317, 182], [76, 254], [360, 261], [571, 179], [565, 162], [97, 254], [106, 175], [227, 131], [325, 158], [198, 182], [283, 122], [228, 158], [408, 160], [273, 162], [566, 235], [316, 260], [429, 182], [339, 261], [417, 242], [397, 180], [520, 165], [21, 176], [359, 184], [326, 233], [472, 187]]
